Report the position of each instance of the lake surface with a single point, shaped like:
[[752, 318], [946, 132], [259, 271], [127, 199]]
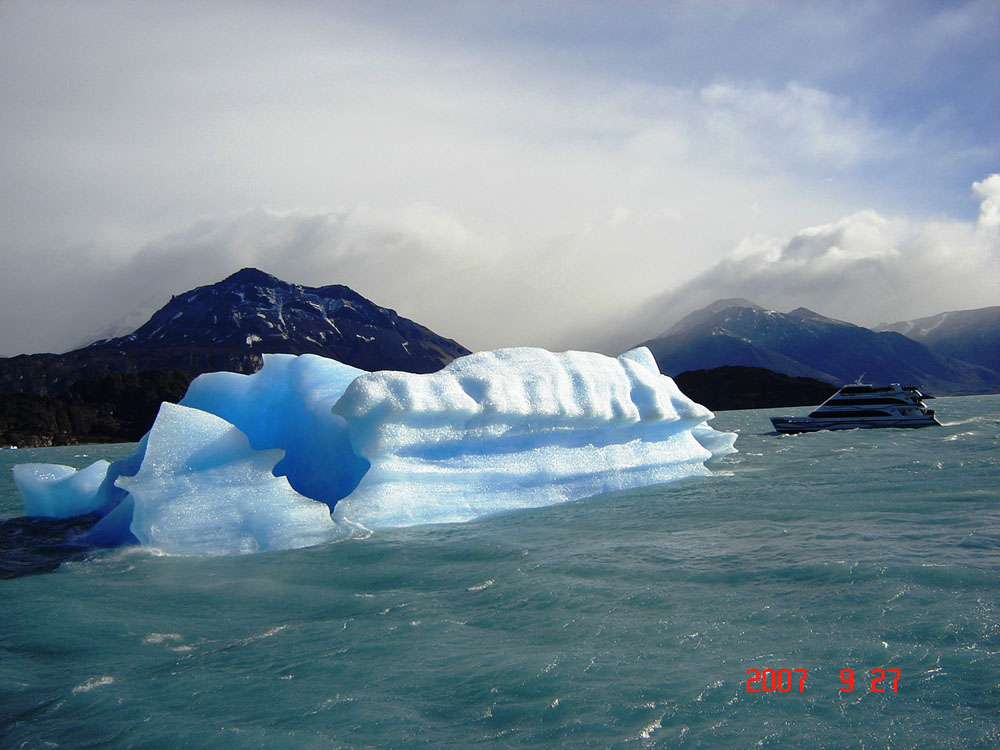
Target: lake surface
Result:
[[626, 620]]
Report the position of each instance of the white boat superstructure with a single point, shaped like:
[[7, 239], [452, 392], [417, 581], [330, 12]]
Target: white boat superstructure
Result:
[[859, 406]]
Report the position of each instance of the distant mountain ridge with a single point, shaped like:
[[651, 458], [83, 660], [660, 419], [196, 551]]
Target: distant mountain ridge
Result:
[[804, 343], [970, 335], [229, 324]]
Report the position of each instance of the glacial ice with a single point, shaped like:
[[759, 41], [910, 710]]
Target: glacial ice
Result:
[[203, 490], [288, 404], [54, 491], [308, 448], [514, 428]]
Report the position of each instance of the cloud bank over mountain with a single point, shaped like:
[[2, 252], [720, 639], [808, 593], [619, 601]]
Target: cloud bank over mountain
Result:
[[505, 173], [864, 267]]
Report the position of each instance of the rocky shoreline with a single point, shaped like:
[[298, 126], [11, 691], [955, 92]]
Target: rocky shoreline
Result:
[[118, 408]]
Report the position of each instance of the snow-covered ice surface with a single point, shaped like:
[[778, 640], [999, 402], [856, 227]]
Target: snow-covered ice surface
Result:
[[308, 448], [514, 428]]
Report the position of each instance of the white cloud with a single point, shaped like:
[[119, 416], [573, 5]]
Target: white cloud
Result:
[[797, 122], [504, 174], [989, 209]]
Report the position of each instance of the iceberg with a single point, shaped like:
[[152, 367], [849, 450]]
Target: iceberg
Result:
[[54, 491], [308, 449]]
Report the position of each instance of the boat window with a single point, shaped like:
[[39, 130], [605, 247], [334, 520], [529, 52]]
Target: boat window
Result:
[[839, 413], [866, 401]]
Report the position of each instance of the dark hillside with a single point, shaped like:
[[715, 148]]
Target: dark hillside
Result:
[[736, 387]]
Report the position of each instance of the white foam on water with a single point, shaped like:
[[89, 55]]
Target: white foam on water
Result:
[[93, 683]]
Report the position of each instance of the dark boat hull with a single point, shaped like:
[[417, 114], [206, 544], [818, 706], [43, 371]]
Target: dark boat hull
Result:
[[791, 425]]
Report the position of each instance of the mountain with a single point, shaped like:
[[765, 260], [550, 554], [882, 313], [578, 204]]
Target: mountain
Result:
[[735, 387], [970, 335], [806, 344], [228, 325]]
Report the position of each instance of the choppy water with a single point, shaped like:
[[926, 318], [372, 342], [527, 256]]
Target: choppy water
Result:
[[627, 620]]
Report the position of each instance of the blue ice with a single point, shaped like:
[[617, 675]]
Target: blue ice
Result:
[[308, 448]]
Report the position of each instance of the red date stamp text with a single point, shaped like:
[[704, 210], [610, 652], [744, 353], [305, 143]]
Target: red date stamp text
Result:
[[794, 680]]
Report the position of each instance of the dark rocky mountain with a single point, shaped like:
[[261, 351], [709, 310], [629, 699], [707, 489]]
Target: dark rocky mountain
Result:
[[735, 387], [805, 344], [228, 325], [111, 390], [970, 335]]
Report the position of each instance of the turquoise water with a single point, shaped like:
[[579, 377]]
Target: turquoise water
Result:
[[626, 620]]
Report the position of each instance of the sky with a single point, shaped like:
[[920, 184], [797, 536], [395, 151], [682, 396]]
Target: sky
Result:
[[561, 174]]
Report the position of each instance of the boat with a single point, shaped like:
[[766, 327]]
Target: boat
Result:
[[861, 406]]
